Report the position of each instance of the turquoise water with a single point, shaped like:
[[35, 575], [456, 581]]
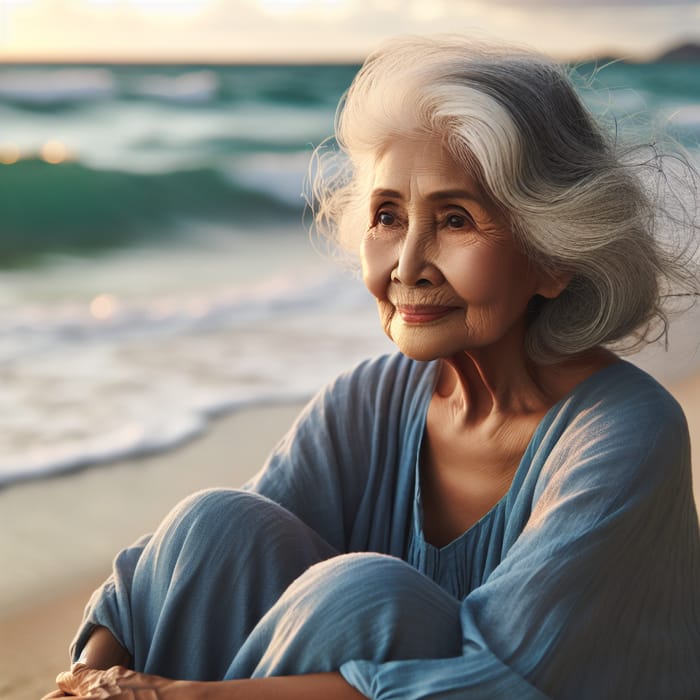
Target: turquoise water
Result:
[[155, 268]]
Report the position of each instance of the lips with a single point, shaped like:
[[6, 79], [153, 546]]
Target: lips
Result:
[[423, 313]]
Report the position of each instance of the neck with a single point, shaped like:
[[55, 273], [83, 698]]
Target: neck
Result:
[[504, 383], [481, 385]]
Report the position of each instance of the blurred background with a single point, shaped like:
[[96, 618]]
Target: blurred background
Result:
[[155, 265]]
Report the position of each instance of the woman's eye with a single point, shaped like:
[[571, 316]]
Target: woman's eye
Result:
[[386, 218], [456, 221]]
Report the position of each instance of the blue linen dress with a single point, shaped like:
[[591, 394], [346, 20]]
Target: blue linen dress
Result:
[[582, 582]]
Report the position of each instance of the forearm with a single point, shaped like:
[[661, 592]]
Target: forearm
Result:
[[83, 681], [317, 686], [102, 651]]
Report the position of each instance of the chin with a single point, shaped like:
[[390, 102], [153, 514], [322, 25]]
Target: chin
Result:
[[420, 356], [424, 350], [428, 342]]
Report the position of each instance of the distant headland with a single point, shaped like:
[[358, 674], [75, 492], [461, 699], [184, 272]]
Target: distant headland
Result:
[[688, 52]]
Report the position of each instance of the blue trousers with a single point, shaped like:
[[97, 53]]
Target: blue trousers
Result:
[[234, 586]]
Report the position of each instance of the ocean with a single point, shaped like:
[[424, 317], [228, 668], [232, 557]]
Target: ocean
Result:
[[156, 263]]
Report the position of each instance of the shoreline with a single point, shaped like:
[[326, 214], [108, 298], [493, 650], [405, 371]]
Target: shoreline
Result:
[[55, 558], [58, 556]]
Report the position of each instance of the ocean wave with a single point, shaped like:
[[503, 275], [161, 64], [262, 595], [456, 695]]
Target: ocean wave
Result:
[[193, 87], [70, 207], [59, 87], [90, 384], [126, 441], [44, 88], [56, 87], [26, 329]]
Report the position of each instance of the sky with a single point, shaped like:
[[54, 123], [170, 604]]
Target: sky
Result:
[[328, 30]]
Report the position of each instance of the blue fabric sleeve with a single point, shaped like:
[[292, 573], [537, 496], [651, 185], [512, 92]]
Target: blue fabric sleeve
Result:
[[319, 469], [346, 467], [109, 606], [599, 596], [299, 475]]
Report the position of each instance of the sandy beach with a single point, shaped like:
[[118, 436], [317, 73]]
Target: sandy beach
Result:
[[58, 536]]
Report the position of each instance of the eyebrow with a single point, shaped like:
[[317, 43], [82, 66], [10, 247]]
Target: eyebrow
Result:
[[433, 196]]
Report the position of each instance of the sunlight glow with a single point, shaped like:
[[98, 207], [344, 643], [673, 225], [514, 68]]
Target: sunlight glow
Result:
[[171, 8], [428, 12], [290, 7], [9, 153], [54, 152], [103, 307], [278, 30]]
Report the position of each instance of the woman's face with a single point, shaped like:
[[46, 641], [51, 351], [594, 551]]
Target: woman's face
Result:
[[446, 272]]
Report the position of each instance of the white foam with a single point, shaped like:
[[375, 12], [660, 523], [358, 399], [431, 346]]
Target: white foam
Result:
[[239, 325], [50, 86], [193, 87], [282, 175]]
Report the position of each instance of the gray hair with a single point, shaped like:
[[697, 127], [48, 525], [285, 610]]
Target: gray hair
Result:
[[576, 202]]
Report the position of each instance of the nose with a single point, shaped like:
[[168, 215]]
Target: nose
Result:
[[415, 267]]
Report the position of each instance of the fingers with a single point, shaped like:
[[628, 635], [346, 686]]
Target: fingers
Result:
[[90, 683]]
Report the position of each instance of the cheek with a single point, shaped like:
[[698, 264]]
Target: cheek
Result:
[[474, 273], [378, 259]]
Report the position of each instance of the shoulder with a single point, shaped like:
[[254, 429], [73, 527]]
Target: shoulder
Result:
[[618, 428], [387, 378], [388, 387], [622, 398]]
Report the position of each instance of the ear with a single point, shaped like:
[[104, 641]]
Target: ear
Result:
[[552, 284]]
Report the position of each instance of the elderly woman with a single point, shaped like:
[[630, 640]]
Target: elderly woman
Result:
[[503, 509]]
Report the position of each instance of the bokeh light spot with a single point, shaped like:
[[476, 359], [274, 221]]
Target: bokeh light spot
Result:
[[103, 307], [54, 152], [9, 153]]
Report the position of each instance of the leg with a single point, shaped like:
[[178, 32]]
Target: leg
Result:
[[353, 606], [219, 561]]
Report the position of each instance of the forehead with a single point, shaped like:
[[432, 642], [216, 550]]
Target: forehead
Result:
[[420, 166]]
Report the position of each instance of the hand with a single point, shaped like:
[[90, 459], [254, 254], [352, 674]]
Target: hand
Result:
[[119, 683]]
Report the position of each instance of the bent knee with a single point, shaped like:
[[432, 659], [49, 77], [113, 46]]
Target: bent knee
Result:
[[220, 508], [213, 517], [369, 581], [368, 606], [361, 568], [239, 527]]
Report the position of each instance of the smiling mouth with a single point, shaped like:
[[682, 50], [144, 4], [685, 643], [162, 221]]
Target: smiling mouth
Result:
[[423, 313]]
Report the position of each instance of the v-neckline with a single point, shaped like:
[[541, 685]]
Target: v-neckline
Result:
[[535, 438]]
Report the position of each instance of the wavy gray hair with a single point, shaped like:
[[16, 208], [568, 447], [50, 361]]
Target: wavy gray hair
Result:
[[575, 200]]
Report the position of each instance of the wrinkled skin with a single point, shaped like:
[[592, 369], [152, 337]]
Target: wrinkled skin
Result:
[[118, 682]]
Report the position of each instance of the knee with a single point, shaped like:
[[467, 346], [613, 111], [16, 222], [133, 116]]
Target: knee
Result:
[[219, 508], [381, 574], [231, 529], [356, 606], [378, 585], [216, 522]]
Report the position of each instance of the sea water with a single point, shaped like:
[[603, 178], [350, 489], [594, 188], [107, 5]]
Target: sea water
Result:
[[156, 264]]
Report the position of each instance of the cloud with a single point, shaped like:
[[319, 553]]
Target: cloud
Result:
[[230, 30], [597, 4]]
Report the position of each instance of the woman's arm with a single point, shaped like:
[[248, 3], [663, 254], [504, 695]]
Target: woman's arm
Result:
[[317, 686], [116, 682], [315, 472], [102, 651]]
